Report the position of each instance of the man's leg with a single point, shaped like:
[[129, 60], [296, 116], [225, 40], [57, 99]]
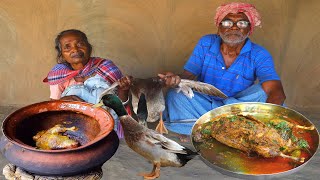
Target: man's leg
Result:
[[181, 112]]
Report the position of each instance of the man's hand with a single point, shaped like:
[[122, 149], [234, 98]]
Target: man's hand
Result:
[[170, 79], [173, 80]]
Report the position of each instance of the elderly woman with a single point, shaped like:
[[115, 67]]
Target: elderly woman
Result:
[[77, 75], [230, 61]]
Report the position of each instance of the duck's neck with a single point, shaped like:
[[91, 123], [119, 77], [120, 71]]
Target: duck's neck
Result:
[[121, 111], [115, 103], [130, 125]]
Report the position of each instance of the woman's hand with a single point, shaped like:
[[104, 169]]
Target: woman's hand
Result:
[[124, 86], [125, 83], [170, 79]]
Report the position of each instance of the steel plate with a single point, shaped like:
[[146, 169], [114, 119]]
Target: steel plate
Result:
[[236, 163]]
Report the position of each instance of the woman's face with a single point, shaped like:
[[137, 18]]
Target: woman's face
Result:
[[74, 50]]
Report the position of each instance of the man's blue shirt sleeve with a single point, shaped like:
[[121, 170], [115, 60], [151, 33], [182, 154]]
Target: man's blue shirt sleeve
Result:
[[265, 69], [195, 62]]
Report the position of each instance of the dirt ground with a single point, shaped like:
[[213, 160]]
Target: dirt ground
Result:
[[126, 164]]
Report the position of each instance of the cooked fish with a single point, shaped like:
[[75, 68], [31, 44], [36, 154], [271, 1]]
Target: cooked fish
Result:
[[249, 135]]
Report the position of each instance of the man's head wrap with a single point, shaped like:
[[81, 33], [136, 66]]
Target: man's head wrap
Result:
[[237, 7]]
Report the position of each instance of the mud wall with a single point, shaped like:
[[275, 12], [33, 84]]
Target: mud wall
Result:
[[144, 37]]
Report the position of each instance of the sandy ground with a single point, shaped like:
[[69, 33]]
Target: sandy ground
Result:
[[126, 164]]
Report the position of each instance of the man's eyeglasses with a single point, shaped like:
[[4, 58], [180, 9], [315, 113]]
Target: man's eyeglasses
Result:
[[242, 24]]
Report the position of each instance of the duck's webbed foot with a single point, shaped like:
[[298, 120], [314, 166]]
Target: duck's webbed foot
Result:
[[161, 128], [155, 173]]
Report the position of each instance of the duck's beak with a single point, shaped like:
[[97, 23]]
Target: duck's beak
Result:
[[98, 105]]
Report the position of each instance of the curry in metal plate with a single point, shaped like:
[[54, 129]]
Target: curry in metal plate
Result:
[[254, 140]]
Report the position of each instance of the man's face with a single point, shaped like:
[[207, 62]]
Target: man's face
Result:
[[234, 35], [74, 49]]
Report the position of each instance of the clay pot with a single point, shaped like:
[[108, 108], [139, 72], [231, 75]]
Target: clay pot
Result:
[[95, 133]]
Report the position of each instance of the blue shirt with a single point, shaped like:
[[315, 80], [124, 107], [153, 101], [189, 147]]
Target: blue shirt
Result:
[[253, 62]]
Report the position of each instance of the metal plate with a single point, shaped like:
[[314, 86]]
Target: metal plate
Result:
[[236, 163]]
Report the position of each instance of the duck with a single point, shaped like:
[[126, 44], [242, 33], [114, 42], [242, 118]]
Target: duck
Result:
[[152, 88], [55, 138], [153, 146]]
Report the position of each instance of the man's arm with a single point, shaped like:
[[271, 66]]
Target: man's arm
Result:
[[274, 91], [188, 75]]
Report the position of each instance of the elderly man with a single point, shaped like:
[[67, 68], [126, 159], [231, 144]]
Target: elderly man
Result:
[[229, 61]]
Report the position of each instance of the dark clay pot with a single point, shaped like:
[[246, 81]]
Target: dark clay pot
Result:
[[95, 133]]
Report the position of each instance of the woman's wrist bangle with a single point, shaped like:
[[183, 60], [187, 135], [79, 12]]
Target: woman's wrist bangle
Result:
[[126, 102]]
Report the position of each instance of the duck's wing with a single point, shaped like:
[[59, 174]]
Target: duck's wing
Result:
[[142, 111], [110, 90], [135, 101], [166, 143], [188, 86]]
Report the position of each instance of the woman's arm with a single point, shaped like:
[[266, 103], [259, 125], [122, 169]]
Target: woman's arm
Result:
[[124, 86], [56, 91]]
